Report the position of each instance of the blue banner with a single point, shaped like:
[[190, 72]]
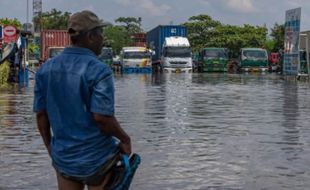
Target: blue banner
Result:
[[1, 36], [291, 42]]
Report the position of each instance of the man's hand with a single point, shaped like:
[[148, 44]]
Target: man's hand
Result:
[[109, 125], [125, 147]]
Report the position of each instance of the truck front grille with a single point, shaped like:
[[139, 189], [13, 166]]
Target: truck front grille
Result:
[[178, 62]]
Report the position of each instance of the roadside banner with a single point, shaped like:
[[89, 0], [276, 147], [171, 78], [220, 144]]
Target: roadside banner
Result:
[[0, 31], [291, 42], [9, 34], [1, 36]]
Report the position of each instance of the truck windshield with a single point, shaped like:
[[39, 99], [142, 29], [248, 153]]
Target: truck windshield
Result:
[[137, 55], [302, 55], [216, 53], [177, 52], [55, 51], [106, 54], [255, 54]]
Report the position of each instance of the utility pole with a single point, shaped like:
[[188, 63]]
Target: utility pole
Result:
[[37, 12]]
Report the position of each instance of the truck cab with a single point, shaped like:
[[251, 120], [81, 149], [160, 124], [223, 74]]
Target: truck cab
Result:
[[274, 61], [106, 56], [213, 60], [54, 51], [303, 69], [136, 58], [176, 55], [253, 59]]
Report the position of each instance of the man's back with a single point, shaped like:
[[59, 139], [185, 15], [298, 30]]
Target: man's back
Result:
[[71, 87]]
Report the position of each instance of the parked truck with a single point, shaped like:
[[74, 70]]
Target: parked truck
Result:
[[253, 59], [53, 42], [303, 69], [136, 60], [172, 48], [274, 62], [106, 56], [213, 59]]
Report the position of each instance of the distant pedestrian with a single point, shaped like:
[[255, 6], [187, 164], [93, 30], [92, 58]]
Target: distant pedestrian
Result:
[[74, 98]]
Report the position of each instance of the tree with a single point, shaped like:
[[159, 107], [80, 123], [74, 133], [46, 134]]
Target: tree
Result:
[[53, 20], [116, 37], [15, 22], [277, 33], [203, 32], [132, 24], [200, 30], [33, 48], [236, 37], [270, 45]]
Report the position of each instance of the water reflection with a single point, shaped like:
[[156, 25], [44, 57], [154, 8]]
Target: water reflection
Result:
[[22, 157], [193, 131]]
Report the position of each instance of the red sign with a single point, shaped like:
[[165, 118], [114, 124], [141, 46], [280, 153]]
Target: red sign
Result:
[[9, 34]]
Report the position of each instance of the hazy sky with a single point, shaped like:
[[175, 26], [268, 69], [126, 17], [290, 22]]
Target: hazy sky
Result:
[[161, 12]]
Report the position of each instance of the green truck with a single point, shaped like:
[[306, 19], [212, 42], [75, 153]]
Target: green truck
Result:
[[253, 60], [303, 62], [106, 56], [212, 59]]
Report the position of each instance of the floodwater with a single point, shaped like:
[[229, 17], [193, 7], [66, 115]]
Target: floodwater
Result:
[[193, 131]]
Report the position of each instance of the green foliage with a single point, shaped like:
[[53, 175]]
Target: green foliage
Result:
[[200, 30], [203, 31], [4, 74], [277, 33], [53, 20], [15, 22], [116, 37], [270, 45], [236, 37], [131, 24], [33, 48]]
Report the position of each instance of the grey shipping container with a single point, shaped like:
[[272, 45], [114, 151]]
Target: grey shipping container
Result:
[[156, 37]]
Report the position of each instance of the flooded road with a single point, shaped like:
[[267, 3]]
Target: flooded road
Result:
[[193, 131]]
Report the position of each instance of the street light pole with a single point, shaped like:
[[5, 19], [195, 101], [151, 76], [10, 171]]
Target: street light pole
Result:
[[27, 13]]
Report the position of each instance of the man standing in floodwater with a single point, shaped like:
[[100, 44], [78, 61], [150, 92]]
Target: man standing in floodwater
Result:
[[74, 97]]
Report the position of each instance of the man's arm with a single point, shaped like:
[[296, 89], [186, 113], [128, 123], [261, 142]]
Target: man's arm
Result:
[[110, 126], [44, 129]]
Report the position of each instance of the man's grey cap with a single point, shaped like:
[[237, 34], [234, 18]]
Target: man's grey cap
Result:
[[84, 21]]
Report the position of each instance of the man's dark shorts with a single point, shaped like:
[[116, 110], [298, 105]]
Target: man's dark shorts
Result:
[[98, 177]]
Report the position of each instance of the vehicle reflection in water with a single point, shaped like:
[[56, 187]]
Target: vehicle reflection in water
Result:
[[193, 131]]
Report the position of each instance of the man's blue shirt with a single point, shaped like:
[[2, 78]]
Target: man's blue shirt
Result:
[[71, 87]]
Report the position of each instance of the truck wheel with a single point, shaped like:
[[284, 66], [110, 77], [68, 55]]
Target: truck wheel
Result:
[[200, 69]]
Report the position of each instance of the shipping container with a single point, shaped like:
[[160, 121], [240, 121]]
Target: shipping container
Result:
[[138, 40], [53, 39], [156, 37]]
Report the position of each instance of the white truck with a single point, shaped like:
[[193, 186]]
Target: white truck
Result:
[[176, 55]]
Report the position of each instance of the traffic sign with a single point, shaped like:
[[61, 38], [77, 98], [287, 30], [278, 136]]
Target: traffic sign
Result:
[[9, 34]]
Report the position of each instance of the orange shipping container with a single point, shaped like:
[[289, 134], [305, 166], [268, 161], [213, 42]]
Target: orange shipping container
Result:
[[53, 39]]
